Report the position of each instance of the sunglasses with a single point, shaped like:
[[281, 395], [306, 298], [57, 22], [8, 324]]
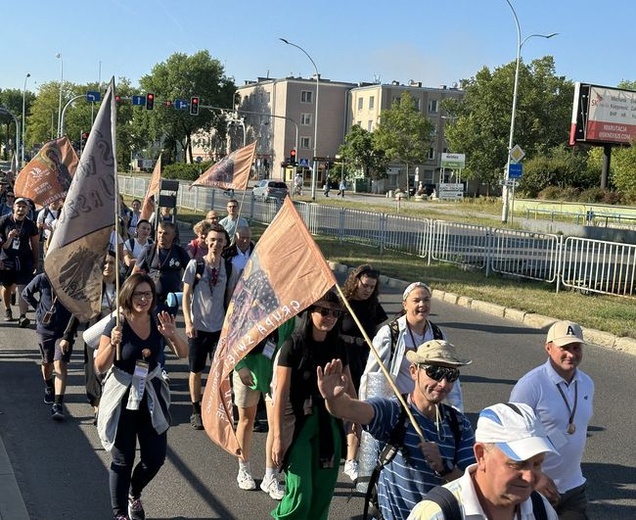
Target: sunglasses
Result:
[[438, 373], [141, 295], [328, 312]]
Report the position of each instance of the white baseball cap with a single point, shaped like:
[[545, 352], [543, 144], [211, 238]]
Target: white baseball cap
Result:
[[514, 429]]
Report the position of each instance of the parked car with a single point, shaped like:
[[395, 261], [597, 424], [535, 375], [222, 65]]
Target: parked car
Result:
[[270, 189]]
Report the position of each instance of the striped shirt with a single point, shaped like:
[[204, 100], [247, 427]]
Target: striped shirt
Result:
[[404, 481]]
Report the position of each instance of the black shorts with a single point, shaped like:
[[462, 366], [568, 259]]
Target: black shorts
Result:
[[50, 349], [20, 276], [200, 348]]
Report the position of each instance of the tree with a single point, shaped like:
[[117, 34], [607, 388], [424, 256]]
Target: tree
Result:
[[182, 77], [358, 150], [11, 101], [403, 133], [480, 121]]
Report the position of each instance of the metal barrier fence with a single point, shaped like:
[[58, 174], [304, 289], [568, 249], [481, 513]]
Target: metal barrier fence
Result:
[[578, 263]]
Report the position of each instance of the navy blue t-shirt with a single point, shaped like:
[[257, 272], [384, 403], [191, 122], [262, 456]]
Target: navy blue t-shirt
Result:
[[132, 346]]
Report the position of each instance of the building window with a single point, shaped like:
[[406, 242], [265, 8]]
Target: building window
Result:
[[370, 125], [431, 154], [433, 106], [360, 103], [305, 143], [306, 96], [371, 102], [306, 119]]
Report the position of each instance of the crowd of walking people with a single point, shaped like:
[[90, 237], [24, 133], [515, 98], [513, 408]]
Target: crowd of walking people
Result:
[[326, 392]]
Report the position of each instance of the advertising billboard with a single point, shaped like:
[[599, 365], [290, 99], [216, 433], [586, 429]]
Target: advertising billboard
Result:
[[603, 115]]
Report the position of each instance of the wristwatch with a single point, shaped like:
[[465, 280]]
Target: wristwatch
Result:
[[448, 468]]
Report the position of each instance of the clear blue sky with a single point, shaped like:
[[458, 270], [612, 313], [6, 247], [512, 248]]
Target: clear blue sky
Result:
[[436, 42]]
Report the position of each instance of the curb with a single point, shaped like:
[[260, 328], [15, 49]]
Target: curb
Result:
[[12, 505], [536, 321]]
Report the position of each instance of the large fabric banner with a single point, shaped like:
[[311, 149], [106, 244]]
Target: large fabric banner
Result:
[[81, 238], [150, 203], [47, 177], [230, 173], [285, 274]]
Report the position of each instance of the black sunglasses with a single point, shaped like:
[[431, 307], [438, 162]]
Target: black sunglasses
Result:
[[328, 312], [438, 373]]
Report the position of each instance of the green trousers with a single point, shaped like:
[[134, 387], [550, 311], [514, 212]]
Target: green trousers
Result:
[[309, 488]]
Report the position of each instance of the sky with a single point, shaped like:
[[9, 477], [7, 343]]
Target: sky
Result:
[[435, 42]]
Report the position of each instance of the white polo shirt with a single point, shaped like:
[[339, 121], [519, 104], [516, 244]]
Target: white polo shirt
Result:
[[538, 388], [464, 490]]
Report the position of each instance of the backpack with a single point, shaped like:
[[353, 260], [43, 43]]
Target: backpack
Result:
[[396, 443], [201, 269], [451, 510], [394, 328]]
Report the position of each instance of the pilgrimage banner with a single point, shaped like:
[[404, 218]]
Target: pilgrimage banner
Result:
[[277, 284], [82, 235], [149, 204], [230, 173], [47, 177]]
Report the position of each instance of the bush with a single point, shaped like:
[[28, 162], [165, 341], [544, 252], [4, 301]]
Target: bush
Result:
[[185, 172], [551, 193], [612, 197], [592, 195]]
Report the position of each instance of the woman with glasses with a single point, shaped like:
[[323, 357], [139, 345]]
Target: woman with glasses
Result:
[[135, 399], [361, 290], [310, 450]]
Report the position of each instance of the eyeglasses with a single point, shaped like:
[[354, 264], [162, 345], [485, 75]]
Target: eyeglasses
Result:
[[438, 373], [141, 295], [328, 312]]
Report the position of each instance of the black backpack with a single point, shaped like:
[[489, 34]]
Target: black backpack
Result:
[[451, 510]]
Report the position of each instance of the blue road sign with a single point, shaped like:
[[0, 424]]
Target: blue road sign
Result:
[[180, 104], [515, 170], [139, 100], [93, 95], [304, 162]]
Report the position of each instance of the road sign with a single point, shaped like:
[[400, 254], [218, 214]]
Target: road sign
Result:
[[304, 162], [453, 160], [511, 183], [139, 100], [451, 191], [516, 154], [93, 95], [180, 104], [515, 170]]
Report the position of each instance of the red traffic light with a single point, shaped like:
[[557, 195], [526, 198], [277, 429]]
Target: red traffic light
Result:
[[194, 106], [117, 99], [150, 101], [292, 156], [168, 103]]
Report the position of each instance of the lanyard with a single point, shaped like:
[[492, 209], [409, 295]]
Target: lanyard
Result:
[[571, 428]]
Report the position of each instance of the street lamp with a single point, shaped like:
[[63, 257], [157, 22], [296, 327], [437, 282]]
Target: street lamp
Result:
[[520, 42], [315, 165], [24, 114], [59, 103]]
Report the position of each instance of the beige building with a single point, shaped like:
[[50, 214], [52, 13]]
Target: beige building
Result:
[[280, 115]]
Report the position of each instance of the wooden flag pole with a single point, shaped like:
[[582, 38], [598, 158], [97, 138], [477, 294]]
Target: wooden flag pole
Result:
[[113, 129], [383, 368]]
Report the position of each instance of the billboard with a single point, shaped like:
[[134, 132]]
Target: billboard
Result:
[[603, 115]]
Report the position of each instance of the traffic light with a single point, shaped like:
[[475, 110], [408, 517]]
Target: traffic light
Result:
[[292, 157], [168, 104], [150, 101], [118, 99], [194, 106]]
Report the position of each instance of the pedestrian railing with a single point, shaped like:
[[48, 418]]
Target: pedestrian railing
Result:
[[579, 263]]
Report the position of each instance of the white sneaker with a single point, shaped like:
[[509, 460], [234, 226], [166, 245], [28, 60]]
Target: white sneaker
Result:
[[272, 487], [165, 376], [245, 480], [351, 469]]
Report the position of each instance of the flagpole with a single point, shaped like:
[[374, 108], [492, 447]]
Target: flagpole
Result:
[[383, 368], [113, 131]]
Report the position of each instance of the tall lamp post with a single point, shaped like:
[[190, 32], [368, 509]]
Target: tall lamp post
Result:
[[314, 171], [24, 114], [520, 42], [59, 103]]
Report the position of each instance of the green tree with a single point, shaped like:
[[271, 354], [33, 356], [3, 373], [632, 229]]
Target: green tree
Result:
[[11, 101], [358, 151], [182, 77], [480, 121], [403, 133]]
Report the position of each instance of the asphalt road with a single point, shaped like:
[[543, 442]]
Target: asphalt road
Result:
[[61, 467]]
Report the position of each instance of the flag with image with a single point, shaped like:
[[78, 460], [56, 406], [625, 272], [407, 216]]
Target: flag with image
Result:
[[47, 177], [230, 173], [150, 200], [276, 284], [82, 235]]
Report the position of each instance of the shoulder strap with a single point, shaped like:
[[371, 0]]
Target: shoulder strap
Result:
[[395, 330], [131, 244], [446, 501], [455, 425], [437, 332], [538, 507], [199, 272]]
